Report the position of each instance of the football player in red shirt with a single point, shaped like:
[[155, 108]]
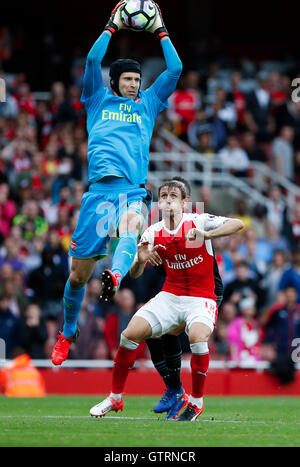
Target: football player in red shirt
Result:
[[182, 243], [166, 352]]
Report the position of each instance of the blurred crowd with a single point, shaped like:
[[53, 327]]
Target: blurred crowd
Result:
[[43, 175]]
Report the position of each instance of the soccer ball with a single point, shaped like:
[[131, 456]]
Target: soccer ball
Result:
[[138, 15]]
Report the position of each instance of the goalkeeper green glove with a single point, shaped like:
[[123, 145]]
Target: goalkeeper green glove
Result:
[[158, 28], [115, 23]]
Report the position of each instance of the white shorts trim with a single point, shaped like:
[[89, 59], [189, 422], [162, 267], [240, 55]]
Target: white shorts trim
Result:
[[166, 311]]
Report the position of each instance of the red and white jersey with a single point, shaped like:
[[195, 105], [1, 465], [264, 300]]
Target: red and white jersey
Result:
[[189, 265]]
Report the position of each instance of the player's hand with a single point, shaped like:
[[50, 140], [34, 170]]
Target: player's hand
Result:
[[144, 254], [195, 235], [158, 28], [115, 23]]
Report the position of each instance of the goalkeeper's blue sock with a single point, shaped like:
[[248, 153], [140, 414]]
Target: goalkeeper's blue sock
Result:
[[73, 297], [124, 255]]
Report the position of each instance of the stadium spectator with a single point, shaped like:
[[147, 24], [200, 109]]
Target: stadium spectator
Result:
[[25, 99], [7, 210], [50, 161], [43, 123], [33, 259], [227, 112], [273, 275], [15, 295], [242, 213], [253, 150], [47, 283], [219, 342], [219, 129], [196, 127], [281, 327], [5, 44], [33, 332], [243, 334], [243, 287], [288, 114], [239, 100], [55, 244], [204, 139], [276, 90], [275, 239], [9, 327], [184, 103], [259, 220], [261, 248], [93, 303], [234, 158], [258, 110], [291, 276], [228, 313], [277, 209], [61, 108], [80, 171], [283, 153], [31, 220], [10, 254]]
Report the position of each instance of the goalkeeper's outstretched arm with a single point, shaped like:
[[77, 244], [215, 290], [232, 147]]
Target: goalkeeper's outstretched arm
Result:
[[92, 81], [166, 83]]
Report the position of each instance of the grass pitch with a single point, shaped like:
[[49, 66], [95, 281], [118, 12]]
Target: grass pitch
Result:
[[226, 421]]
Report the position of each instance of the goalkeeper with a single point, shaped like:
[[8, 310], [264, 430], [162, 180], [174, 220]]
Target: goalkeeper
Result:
[[120, 123]]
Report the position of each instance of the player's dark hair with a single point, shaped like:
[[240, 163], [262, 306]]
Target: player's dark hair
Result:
[[185, 182], [174, 184], [122, 65]]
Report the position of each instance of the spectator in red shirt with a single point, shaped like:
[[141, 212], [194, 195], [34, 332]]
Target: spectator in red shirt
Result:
[[239, 100], [25, 99], [277, 93], [184, 103]]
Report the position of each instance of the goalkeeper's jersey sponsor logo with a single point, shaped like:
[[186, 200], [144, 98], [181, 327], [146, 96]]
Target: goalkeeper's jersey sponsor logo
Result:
[[124, 114]]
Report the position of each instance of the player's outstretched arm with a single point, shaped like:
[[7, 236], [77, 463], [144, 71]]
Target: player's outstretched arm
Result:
[[92, 80], [166, 83], [231, 226], [143, 256]]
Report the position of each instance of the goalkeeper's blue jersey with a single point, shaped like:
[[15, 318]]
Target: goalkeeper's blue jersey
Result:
[[120, 132], [119, 128]]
